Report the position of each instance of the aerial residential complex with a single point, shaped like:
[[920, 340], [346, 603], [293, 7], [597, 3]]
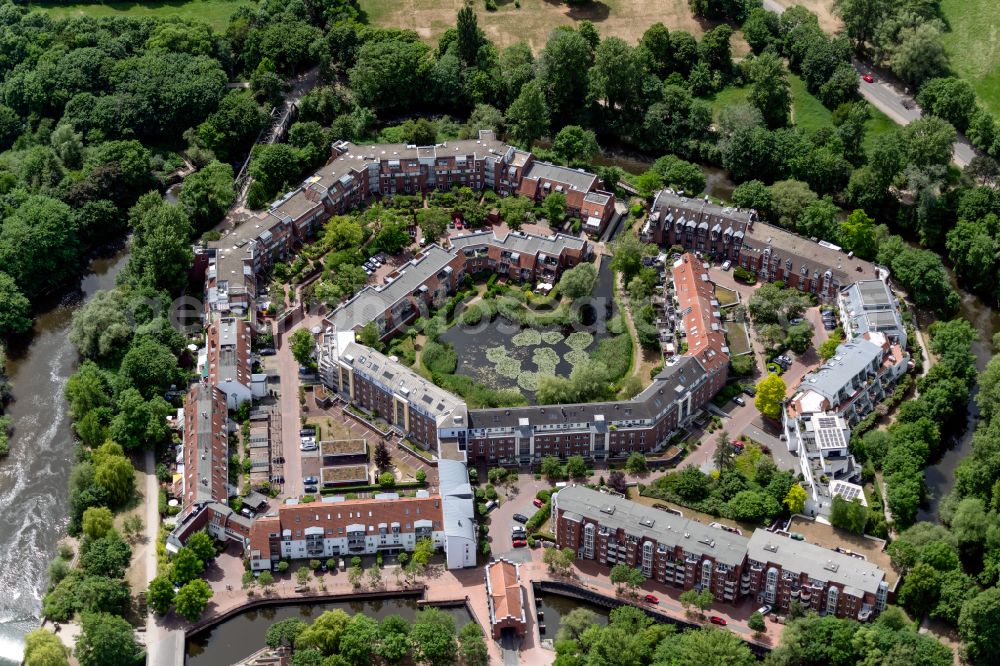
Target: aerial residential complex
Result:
[[768, 567], [437, 419], [817, 421], [739, 236], [357, 173]]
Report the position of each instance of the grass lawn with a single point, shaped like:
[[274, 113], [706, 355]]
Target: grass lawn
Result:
[[535, 19], [973, 46], [728, 96], [807, 111], [216, 13], [878, 124]]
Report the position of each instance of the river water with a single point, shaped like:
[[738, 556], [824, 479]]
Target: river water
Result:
[[940, 476], [34, 477]]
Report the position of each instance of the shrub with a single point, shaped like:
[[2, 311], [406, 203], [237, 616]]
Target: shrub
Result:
[[745, 276]]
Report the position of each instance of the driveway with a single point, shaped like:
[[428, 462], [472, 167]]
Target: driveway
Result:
[[288, 403]]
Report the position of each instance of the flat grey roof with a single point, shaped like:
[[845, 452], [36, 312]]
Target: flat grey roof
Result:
[[640, 520], [875, 293], [372, 301], [204, 440], [815, 561], [520, 241], [400, 379], [669, 384], [577, 180], [852, 357]]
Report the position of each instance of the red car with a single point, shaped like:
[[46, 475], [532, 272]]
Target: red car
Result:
[[520, 543], [868, 78], [715, 619], [651, 599], [537, 502]]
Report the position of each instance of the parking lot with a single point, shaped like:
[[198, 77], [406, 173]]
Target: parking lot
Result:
[[501, 520]]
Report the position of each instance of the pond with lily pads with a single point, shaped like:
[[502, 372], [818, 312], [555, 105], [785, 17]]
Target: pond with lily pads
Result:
[[504, 355]]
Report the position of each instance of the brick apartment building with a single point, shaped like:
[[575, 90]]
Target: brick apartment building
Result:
[[665, 547], [426, 281], [206, 445], [355, 174], [783, 570], [387, 523], [738, 235], [226, 362], [524, 435], [768, 567]]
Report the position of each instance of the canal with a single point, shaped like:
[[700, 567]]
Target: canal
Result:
[[34, 477], [554, 607], [244, 634]]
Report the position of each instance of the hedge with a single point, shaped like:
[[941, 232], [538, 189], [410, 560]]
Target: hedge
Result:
[[539, 517]]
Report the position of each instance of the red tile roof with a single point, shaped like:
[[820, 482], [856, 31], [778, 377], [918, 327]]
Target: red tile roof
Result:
[[336, 516], [695, 293], [504, 590]]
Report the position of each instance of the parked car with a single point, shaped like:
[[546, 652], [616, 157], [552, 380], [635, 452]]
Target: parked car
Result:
[[750, 390], [652, 599], [764, 610], [715, 619], [736, 444], [795, 320], [267, 351], [309, 431], [726, 265], [537, 502], [310, 489], [308, 446], [739, 401], [868, 78], [519, 543], [310, 480], [492, 504], [797, 536], [520, 517]]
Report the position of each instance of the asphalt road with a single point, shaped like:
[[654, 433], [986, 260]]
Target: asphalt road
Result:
[[888, 95]]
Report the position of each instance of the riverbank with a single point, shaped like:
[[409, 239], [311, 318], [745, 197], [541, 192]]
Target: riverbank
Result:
[[33, 488]]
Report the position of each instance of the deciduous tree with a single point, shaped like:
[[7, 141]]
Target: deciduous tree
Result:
[[770, 396]]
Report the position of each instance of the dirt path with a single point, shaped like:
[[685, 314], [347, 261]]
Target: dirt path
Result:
[[643, 360]]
